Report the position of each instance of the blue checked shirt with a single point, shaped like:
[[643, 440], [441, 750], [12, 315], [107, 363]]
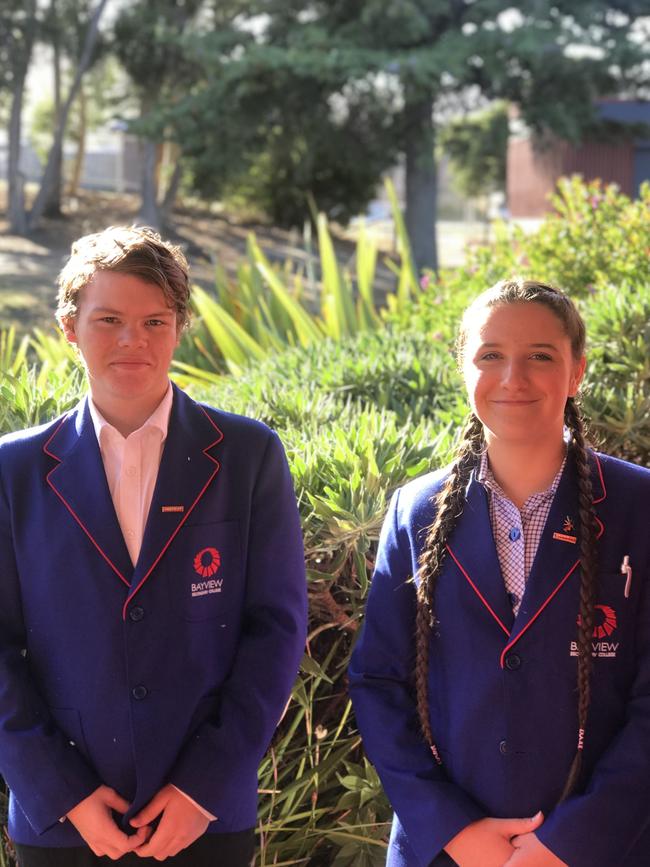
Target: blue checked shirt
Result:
[[516, 533]]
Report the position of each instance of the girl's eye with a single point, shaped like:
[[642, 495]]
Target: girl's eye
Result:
[[155, 322], [109, 319], [489, 356]]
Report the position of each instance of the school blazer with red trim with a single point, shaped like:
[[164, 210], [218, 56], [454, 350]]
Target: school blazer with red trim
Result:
[[175, 671], [502, 689]]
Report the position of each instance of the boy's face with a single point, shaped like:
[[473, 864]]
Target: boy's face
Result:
[[126, 333]]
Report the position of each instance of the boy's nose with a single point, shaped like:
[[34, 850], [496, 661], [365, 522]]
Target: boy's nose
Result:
[[132, 335]]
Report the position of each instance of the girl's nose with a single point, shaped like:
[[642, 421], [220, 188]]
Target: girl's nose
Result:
[[514, 374]]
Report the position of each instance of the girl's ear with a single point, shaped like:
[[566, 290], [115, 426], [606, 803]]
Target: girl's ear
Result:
[[577, 375]]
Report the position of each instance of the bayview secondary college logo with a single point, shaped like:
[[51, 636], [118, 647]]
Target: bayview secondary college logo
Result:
[[206, 564], [604, 625]]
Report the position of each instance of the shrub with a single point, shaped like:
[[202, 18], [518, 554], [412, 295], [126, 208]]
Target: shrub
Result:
[[359, 415]]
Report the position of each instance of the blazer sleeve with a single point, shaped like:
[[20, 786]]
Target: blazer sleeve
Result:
[[600, 826], [40, 765], [270, 647], [431, 809]]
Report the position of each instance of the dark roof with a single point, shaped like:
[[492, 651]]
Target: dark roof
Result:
[[624, 111]]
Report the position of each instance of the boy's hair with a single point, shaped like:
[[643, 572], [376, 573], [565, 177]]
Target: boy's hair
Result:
[[135, 250], [451, 499]]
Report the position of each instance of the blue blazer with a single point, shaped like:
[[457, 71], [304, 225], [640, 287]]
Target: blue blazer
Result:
[[502, 689], [175, 671]]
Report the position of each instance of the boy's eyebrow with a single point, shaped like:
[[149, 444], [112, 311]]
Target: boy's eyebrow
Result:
[[167, 312]]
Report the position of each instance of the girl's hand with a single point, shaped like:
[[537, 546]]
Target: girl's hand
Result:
[[486, 843], [528, 851]]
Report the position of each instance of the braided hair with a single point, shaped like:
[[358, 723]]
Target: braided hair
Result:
[[450, 500]]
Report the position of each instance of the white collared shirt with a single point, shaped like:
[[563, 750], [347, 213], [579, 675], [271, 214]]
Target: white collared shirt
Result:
[[131, 464]]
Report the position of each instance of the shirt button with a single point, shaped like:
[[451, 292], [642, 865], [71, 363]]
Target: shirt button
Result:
[[130, 533], [131, 471], [136, 613], [139, 692], [513, 662], [503, 747], [514, 534]]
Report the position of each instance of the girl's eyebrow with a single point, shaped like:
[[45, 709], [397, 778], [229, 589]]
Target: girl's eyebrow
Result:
[[535, 345]]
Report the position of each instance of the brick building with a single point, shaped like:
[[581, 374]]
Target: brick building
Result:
[[532, 174]]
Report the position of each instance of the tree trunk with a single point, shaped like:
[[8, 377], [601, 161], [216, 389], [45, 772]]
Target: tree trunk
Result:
[[16, 194], [16, 213], [149, 211], [172, 188], [52, 207], [421, 183], [77, 168], [56, 151]]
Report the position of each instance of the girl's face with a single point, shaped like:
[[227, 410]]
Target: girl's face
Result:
[[519, 371]]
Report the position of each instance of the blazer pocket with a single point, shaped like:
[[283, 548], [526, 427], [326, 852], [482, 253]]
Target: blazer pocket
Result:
[[205, 579], [68, 721]]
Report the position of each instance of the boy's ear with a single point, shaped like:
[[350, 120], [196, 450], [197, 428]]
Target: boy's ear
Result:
[[68, 328]]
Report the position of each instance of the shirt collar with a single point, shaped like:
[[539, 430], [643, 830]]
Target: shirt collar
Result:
[[486, 478], [159, 418]]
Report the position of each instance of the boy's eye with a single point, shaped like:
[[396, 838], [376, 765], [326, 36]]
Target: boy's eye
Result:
[[541, 356], [109, 319], [489, 356], [155, 322]]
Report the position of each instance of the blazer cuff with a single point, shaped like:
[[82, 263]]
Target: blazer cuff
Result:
[[198, 806]]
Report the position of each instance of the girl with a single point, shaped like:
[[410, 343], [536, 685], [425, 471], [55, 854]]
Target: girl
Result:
[[502, 679]]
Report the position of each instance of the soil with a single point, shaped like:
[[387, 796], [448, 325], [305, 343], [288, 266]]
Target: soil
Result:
[[29, 266]]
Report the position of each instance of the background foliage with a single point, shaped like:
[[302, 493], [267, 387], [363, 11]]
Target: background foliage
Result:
[[361, 410]]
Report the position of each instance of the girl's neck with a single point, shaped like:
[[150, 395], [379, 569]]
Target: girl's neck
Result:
[[524, 470]]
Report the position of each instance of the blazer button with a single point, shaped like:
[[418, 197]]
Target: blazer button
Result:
[[503, 747], [136, 613], [139, 692], [513, 662]]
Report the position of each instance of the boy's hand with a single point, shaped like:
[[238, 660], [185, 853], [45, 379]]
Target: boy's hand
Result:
[[93, 819], [488, 842], [181, 823]]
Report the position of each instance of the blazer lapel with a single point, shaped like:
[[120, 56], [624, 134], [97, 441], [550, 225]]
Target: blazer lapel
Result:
[[79, 481], [186, 471], [558, 557], [473, 551]]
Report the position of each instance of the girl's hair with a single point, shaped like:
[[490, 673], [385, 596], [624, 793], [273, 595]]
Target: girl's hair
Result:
[[449, 506]]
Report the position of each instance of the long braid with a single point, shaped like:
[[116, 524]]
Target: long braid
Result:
[[449, 505], [588, 578]]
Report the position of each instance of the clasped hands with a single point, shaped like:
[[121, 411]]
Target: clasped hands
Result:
[[502, 843], [181, 823]]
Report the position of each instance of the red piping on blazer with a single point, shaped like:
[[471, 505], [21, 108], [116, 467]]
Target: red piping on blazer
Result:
[[185, 516], [72, 511], [566, 577], [169, 541], [478, 592]]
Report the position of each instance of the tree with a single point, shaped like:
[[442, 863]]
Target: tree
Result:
[[146, 40], [411, 56], [477, 146], [18, 25], [52, 175]]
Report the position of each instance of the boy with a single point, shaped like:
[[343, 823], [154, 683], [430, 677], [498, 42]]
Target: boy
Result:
[[152, 590]]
